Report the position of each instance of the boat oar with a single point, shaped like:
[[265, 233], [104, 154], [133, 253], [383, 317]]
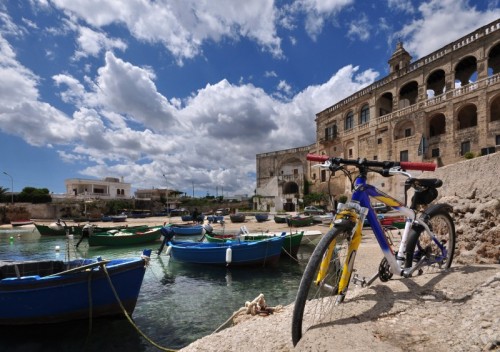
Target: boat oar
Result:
[[80, 268]]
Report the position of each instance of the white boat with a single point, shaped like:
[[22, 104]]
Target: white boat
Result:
[[323, 218], [311, 237]]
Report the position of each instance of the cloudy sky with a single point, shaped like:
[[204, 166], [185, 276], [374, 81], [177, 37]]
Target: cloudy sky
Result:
[[192, 89]]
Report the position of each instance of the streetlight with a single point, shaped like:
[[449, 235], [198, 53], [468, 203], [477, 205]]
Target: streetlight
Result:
[[11, 187]]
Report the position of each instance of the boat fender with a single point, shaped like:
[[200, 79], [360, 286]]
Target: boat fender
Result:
[[169, 249], [229, 255]]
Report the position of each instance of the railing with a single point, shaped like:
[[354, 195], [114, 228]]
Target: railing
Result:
[[458, 44]]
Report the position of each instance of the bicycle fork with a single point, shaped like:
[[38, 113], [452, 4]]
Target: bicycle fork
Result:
[[352, 223]]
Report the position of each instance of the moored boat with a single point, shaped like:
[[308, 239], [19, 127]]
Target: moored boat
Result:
[[43, 292], [280, 219], [261, 217], [300, 220], [187, 229], [228, 253], [16, 223], [126, 236], [291, 242], [238, 217]]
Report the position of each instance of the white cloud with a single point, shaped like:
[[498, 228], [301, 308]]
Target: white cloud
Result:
[[401, 5], [183, 27], [360, 28], [442, 22], [91, 43]]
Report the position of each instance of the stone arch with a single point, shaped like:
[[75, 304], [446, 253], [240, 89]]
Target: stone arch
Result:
[[466, 71], [435, 84], [495, 109], [408, 94], [437, 125], [349, 150], [403, 129], [494, 60], [467, 116], [290, 188], [384, 104]]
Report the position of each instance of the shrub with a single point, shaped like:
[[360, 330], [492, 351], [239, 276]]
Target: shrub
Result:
[[469, 155]]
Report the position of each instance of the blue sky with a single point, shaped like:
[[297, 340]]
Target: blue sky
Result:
[[192, 89]]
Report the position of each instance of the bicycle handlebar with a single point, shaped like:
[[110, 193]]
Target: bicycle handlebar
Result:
[[406, 165]]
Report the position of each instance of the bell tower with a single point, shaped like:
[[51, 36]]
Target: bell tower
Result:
[[400, 58]]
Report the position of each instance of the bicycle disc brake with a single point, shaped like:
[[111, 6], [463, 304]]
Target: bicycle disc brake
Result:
[[384, 271]]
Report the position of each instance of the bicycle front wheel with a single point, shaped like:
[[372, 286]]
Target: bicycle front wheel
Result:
[[315, 301]]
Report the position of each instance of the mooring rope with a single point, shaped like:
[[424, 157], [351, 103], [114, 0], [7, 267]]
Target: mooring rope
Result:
[[128, 316], [256, 307]]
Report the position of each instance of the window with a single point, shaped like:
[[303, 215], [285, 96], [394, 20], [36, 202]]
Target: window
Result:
[[349, 121], [314, 176], [403, 155], [323, 175], [330, 132], [364, 116], [295, 172], [271, 173], [497, 139], [435, 152], [464, 147], [350, 153], [408, 132], [375, 157], [379, 141]]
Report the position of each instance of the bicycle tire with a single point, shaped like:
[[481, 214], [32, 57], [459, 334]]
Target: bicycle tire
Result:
[[309, 292], [420, 243]]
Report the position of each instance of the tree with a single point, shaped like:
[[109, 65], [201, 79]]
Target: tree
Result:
[[34, 195], [3, 194]]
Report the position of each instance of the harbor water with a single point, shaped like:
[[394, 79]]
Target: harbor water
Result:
[[177, 305]]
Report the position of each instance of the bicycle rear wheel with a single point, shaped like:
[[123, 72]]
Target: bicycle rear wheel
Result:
[[438, 251], [316, 301]]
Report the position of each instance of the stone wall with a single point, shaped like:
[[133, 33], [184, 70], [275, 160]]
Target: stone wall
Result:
[[472, 187]]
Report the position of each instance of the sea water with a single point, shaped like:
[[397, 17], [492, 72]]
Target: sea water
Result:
[[178, 303]]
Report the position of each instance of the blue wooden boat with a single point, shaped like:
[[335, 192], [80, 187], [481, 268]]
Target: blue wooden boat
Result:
[[261, 217], [186, 218], [43, 292], [187, 230], [228, 253], [215, 218]]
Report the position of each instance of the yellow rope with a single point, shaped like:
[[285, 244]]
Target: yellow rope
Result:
[[129, 318]]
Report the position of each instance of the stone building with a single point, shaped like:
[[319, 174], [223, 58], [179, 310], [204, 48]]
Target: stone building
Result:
[[436, 109]]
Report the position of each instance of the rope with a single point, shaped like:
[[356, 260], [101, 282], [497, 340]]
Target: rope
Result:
[[256, 307], [128, 316]]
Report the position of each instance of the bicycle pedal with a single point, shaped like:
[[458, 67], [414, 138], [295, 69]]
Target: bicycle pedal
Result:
[[357, 281]]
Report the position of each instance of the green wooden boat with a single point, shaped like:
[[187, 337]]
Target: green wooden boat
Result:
[[126, 237], [290, 245], [281, 219], [299, 221], [60, 228]]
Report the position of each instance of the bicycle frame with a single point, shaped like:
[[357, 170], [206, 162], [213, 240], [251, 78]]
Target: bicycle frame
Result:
[[356, 210]]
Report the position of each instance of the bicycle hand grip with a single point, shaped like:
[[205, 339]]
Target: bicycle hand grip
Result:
[[408, 165], [315, 157]]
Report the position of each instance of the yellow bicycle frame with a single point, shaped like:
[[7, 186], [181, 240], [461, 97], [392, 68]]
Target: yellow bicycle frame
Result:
[[352, 216]]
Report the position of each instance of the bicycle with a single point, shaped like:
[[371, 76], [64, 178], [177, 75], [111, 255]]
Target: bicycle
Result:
[[428, 240]]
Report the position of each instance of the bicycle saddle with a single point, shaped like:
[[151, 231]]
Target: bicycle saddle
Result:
[[424, 182]]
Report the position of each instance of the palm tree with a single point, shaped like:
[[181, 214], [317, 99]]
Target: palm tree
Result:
[[3, 192]]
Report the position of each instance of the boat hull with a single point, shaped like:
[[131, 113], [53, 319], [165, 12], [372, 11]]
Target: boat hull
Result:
[[291, 243], [189, 230], [73, 296], [266, 252], [125, 237]]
